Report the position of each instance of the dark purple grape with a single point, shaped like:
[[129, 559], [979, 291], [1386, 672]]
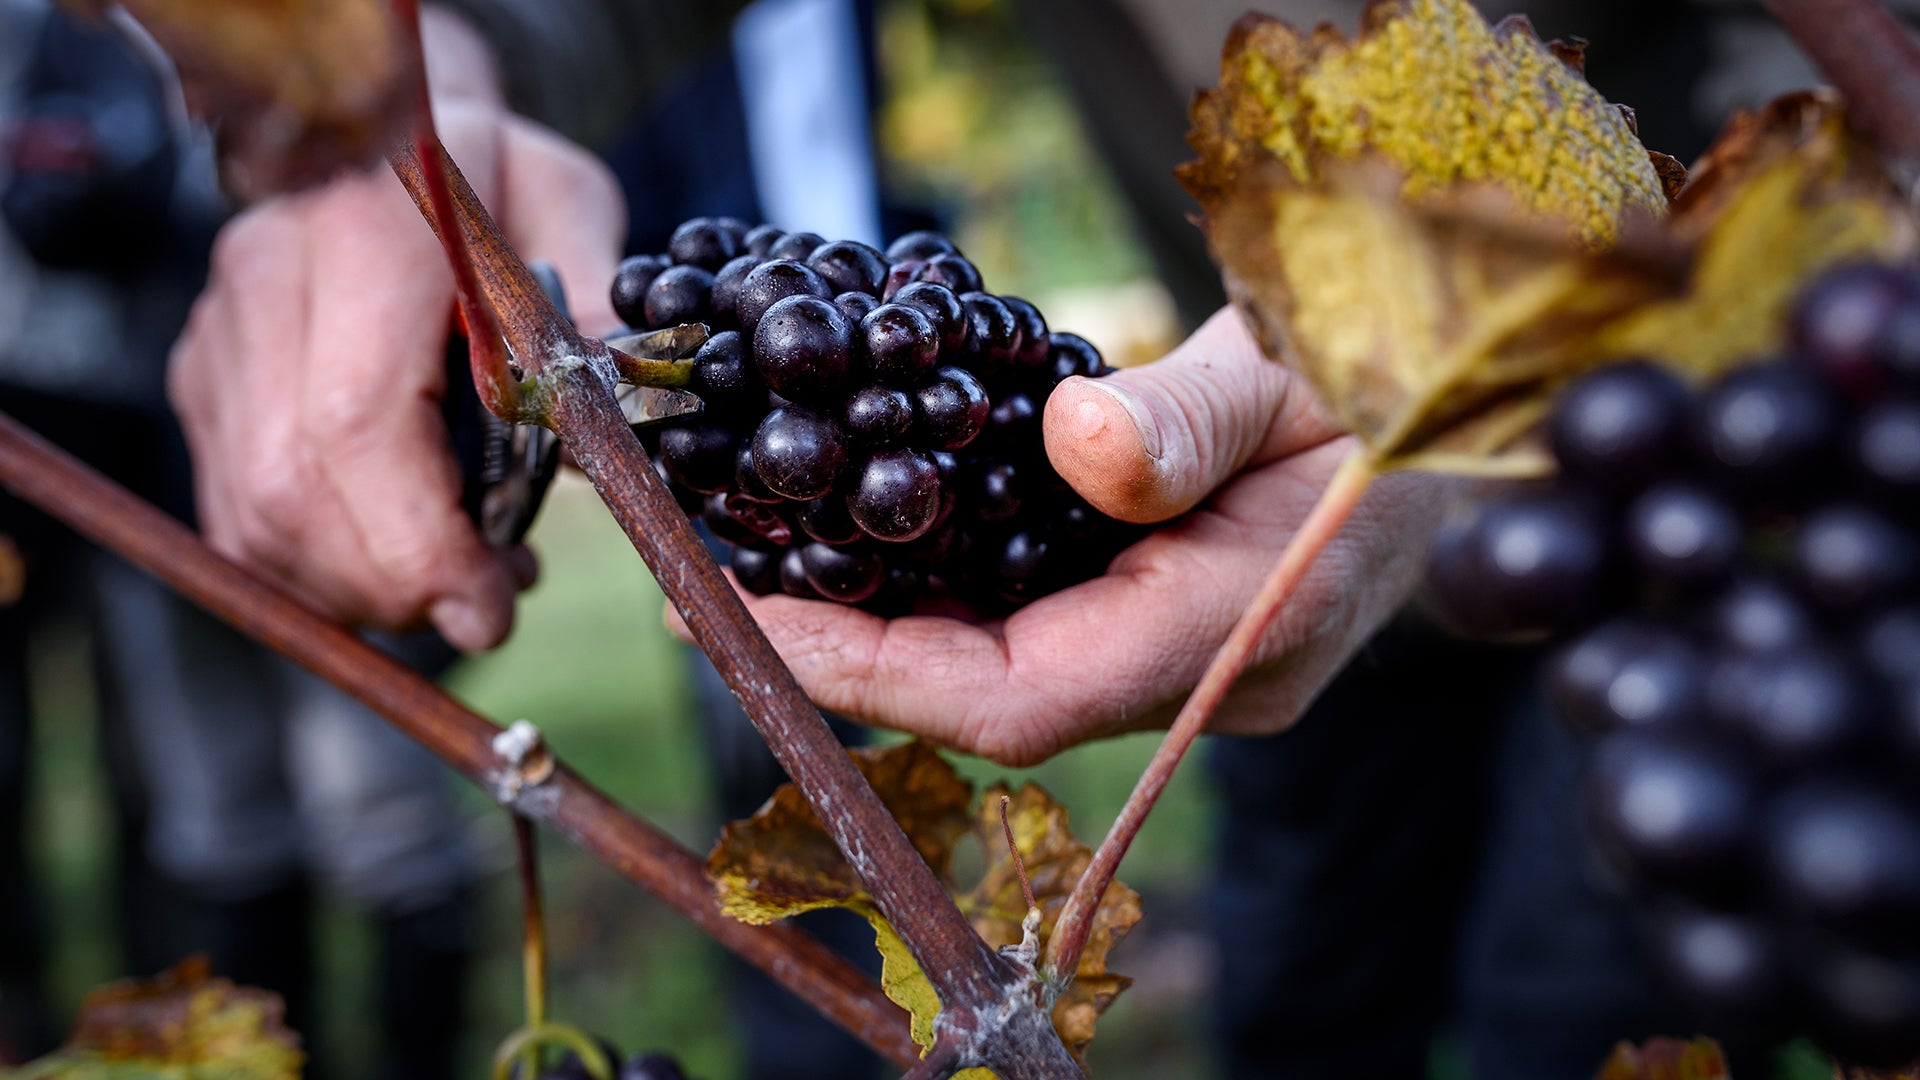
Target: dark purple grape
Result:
[[1730, 969], [922, 245], [1675, 815], [799, 452], [771, 282], [793, 576], [1529, 563], [1768, 431], [1848, 857], [1070, 354], [1849, 322], [691, 502], [898, 593], [857, 305], [877, 415], [1886, 452], [993, 492], [896, 495], [950, 409], [1849, 559], [1799, 708], [1889, 644], [899, 276], [1035, 345], [843, 574], [940, 305], [742, 522], [803, 349], [1682, 534], [737, 228], [952, 270], [901, 342], [630, 282], [1866, 1005], [1013, 425], [827, 520], [746, 478], [1628, 673], [726, 286], [761, 238], [757, 571], [699, 456], [797, 246], [703, 242], [651, 1067], [1023, 567], [850, 266], [1757, 616], [992, 334], [679, 294], [723, 373], [1621, 426]]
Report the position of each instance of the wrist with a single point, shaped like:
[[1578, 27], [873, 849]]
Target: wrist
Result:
[[461, 65]]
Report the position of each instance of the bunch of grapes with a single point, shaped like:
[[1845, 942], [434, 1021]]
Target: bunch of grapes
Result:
[[1735, 570], [872, 424]]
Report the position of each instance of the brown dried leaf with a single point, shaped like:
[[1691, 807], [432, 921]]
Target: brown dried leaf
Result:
[[1666, 1059], [183, 1024], [297, 88], [780, 862]]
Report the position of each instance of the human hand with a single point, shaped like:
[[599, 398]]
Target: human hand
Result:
[[1221, 431], [310, 375]]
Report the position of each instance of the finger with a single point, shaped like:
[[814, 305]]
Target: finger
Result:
[[372, 404], [1148, 443], [563, 205]]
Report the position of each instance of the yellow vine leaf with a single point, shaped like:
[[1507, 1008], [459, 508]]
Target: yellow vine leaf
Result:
[[780, 862], [183, 1024], [1666, 1059]]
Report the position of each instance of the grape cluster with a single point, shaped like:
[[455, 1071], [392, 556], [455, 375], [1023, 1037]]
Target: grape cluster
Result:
[[1734, 572], [871, 432]]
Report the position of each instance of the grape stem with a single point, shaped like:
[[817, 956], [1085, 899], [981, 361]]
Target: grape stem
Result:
[[1336, 503], [533, 929]]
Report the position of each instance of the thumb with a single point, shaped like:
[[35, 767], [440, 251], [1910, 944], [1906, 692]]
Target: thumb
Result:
[[1145, 444]]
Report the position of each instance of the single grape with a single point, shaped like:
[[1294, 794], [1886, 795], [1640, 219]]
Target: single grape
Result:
[[771, 282], [651, 1067], [1848, 857], [896, 495], [841, 573], [901, 343], [850, 266], [630, 282], [993, 492], [1035, 347], [1529, 563], [1758, 616], [703, 242], [691, 502], [1023, 568], [736, 228], [827, 521], [1846, 323], [1628, 673], [950, 409], [1849, 558], [898, 593], [679, 294], [1013, 425], [797, 246], [1730, 968], [952, 270], [1886, 452], [723, 373], [699, 456], [1673, 815], [1799, 708], [940, 305], [1768, 431], [1070, 354], [799, 452], [757, 571], [1621, 426], [725, 298], [992, 334], [746, 478], [1682, 534], [857, 305], [793, 576], [761, 238], [922, 245], [877, 415], [803, 349], [900, 275]]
